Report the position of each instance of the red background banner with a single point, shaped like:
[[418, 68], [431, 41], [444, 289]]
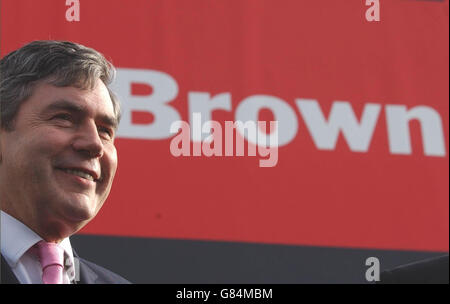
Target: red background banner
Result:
[[321, 50]]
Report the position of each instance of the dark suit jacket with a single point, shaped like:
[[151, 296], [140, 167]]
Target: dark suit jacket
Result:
[[90, 273], [430, 271]]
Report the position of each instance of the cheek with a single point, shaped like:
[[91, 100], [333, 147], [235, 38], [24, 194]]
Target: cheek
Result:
[[45, 148], [115, 160], [110, 161], [40, 152], [109, 167], [22, 151], [24, 161]]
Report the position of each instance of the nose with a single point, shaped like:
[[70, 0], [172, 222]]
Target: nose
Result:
[[88, 141]]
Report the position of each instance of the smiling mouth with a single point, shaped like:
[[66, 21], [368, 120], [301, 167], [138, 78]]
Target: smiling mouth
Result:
[[79, 173]]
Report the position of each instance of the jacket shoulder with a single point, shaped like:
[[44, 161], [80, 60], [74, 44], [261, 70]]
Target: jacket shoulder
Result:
[[429, 271], [91, 273]]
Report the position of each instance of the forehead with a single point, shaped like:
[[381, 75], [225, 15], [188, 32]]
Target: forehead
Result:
[[93, 102]]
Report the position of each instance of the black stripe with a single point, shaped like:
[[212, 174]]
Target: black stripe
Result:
[[147, 260]]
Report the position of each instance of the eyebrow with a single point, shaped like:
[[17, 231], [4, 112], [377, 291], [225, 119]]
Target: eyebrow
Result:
[[74, 107]]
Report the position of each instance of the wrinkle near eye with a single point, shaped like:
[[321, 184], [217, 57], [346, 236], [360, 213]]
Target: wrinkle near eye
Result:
[[32, 120]]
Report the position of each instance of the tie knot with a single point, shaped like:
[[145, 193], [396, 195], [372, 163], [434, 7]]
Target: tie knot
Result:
[[50, 254]]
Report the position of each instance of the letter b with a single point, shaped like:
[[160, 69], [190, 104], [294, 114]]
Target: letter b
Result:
[[165, 89]]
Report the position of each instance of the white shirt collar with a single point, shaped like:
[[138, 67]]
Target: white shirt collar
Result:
[[16, 238]]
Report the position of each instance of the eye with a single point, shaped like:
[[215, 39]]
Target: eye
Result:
[[63, 117], [105, 130]]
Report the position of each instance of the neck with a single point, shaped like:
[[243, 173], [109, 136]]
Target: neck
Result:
[[49, 231]]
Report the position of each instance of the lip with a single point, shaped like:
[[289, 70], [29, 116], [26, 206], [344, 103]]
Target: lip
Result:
[[93, 173], [79, 180]]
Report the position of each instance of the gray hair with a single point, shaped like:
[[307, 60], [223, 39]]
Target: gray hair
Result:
[[60, 63]]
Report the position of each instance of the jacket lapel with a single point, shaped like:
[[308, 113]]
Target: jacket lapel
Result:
[[87, 275], [7, 276]]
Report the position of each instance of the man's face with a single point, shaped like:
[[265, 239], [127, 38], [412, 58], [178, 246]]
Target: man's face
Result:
[[58, 163]]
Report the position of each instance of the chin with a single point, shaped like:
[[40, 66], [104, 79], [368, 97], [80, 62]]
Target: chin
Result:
[[80, 210]]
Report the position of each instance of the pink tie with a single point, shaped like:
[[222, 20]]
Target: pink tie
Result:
[[51, 257]]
